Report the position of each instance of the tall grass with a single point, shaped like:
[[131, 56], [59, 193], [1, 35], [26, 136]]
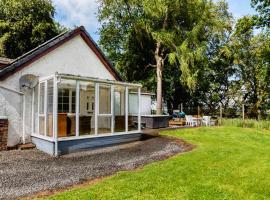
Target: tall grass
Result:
[[248, 123]]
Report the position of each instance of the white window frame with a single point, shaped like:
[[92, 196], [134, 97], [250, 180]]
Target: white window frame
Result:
[[97, 84]]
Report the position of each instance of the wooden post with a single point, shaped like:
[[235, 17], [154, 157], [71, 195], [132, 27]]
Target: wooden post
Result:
[[181, 107], [220, 115], [198, 115], [243, 114]]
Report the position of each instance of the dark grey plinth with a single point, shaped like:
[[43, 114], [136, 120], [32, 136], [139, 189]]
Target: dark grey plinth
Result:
[[68, 146], [154, 121]]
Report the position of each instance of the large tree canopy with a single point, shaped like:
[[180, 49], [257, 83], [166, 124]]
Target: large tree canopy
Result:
[[25, 24], [251, 59], [263, 7], [161, 41]]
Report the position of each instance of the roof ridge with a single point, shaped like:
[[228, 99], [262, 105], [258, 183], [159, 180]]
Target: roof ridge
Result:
[[54, 42], [39, 46]]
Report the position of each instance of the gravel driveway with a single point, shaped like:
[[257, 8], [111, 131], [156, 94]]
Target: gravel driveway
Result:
[[27, 172]]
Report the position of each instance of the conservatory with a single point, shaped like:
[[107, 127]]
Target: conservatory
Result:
[[70, 113]]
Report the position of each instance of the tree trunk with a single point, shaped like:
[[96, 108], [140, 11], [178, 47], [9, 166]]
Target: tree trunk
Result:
[[160, 64], [159, 70]]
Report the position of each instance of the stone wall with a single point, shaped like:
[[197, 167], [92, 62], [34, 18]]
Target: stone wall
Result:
[[3, 134]]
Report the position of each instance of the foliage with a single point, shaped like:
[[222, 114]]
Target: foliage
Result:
[[251, 60], [133, 31], [24, 25], [263, 7], [228, 163], [247, 123]]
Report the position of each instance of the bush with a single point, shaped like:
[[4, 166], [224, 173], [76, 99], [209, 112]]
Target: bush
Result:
[[248, 123]]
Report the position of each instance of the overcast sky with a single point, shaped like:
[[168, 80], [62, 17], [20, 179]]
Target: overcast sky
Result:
[[72, 13]]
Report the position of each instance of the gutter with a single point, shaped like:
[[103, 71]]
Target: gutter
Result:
[[23, 114]]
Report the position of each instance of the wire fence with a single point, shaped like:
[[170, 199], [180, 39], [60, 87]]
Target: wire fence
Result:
[[238, 115]]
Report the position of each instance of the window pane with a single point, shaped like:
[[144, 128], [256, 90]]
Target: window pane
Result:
[[42, 125], [133, 108], [104, 125], [36, 109], [66, 115], [119, 109], [41, 98], [104, 99], [50, 108], [87, 100]]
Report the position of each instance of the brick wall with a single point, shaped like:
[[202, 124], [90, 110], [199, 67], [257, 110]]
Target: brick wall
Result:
[[3, 134]]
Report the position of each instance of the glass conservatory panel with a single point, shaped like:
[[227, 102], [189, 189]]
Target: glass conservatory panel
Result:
[[119, 109], [50, 108], [133, 108], [36, 114], [66, 108], [104, 99], [104, 125], [41, 109], [87, 108]]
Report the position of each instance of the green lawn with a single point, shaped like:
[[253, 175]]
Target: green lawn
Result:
[[228, 163]]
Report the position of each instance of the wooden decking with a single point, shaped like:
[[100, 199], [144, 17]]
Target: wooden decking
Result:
[[177, 123]]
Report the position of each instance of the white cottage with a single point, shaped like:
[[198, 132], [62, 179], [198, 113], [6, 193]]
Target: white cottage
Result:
[[65, 95]]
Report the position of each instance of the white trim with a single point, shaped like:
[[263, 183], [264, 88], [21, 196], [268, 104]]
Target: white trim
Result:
[[55, 115], [70, 101], [139, 109], [43, 137], [33, 110], [77, 108], [105, 115], [96, 107], [23, 120], [38, 108], [46, 108], [97, 80], [126, 109], [112, 109], [42, 79]]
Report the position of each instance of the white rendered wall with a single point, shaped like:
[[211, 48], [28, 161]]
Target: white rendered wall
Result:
[[11, 106], [73, 57]]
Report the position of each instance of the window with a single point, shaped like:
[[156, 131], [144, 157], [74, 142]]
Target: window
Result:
[[104, 99], [41, 109], [66, 100]]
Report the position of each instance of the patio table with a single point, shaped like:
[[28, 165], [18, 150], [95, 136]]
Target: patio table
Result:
[[199, 120]]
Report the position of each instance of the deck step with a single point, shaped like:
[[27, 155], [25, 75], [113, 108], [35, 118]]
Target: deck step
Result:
[[26, 146]]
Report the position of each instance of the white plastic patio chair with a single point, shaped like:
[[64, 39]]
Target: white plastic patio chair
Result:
[[190, 121], [206, 120]]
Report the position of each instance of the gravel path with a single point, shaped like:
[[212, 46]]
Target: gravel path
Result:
[[27, 172]]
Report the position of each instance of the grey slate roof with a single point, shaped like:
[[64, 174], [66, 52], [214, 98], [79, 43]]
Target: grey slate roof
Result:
[[15, 64]]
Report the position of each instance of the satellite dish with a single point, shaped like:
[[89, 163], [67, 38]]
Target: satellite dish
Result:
[[28, 81]]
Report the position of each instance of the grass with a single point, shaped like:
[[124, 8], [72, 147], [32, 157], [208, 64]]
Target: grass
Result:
[[228, 163]]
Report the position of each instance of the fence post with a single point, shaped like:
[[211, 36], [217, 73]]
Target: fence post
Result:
[[181, 107], [220, 114], [243, 114]]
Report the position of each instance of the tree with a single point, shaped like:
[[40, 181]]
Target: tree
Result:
[[263, 7], [24, 25], [251, 59], [167, 36]]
